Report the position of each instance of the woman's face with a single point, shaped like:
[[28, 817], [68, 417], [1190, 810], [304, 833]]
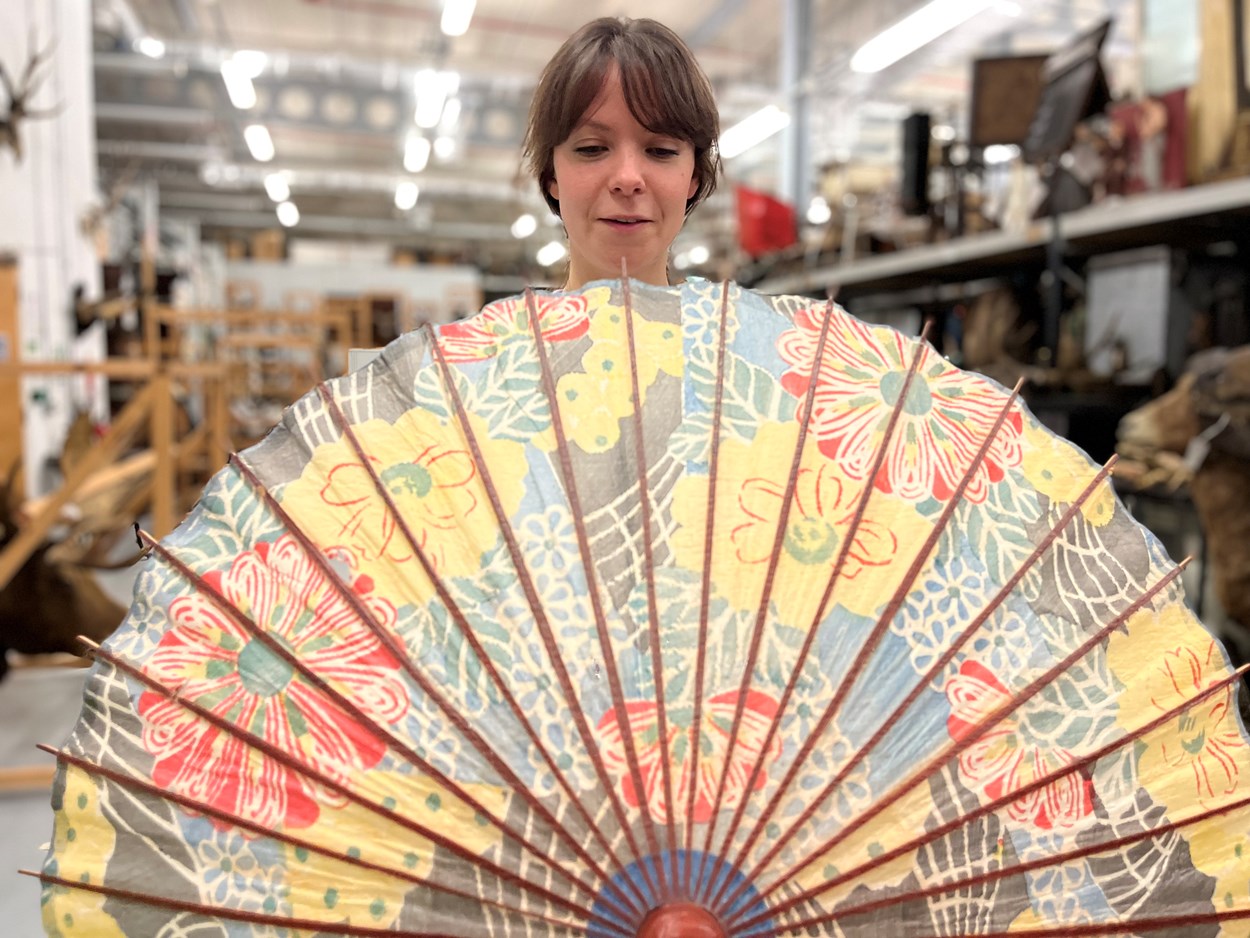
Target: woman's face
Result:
[[622, 191]]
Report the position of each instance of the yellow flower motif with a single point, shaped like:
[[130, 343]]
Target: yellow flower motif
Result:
[[1194, 760], [1059, 471], [83, 845], [594, 400], [749, 502], [1166, 659], [333, 891], [435, 485]]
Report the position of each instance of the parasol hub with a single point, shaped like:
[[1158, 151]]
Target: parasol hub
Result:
[[681, 920]]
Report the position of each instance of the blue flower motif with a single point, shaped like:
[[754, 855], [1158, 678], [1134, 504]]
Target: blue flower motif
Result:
[[1002, 644], [233, 876], [945, 600], [700, 320], [549, 541]]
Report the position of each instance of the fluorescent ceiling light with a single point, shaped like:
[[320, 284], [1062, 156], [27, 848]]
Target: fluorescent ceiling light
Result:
[[278, 188], [444, 147], [550, 253], [451, 114], [259, 142], [818, 211], [150, 46], [416, 153], [433, 89], [288, 214], [752, 130], [250, 62], [406, 194], [524, 226], [1000, 153], [699, 254], [934, 19], [238, 85], [457, 14]]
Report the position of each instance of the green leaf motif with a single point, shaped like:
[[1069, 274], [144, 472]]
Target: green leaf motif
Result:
[[691, 442], [676, 686], [428, 394], [510, 397], [752, 395]]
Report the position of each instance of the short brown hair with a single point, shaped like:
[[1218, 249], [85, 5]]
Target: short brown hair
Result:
[[664, 88]]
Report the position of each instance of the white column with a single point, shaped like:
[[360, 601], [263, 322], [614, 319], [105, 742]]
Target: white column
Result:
[[42, 201], [794, 174]]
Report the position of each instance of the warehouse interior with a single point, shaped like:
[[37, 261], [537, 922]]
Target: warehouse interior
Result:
[[208, 207]]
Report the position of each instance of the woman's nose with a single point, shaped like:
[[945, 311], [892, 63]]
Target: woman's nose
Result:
[[627, 177]]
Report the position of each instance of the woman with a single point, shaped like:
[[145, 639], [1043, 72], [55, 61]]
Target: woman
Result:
[[622, 139]]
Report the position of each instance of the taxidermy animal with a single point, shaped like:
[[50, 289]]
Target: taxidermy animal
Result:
[[19, 94], [1208, 413]]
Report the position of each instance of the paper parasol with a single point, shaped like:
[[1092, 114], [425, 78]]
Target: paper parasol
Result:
[[652, 611]]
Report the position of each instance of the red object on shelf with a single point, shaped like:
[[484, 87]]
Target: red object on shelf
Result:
[[765, 224]]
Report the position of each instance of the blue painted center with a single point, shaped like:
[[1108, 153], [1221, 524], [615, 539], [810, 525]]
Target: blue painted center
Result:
[[705, 874]]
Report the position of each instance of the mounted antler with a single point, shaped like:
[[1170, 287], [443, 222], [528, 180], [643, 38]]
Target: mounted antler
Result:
[[19, 99]]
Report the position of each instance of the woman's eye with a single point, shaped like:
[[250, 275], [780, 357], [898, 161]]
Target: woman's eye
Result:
[[663, 152], [590, 150]]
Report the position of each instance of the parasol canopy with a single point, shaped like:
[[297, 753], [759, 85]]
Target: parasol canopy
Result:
[[656, 611]]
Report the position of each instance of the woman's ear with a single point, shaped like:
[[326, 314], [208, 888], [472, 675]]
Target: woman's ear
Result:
[[694, 186], [553, 189]]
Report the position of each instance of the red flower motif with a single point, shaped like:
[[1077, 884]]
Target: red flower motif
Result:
[[216, 663], [717, 717], [560, 319], [1002, 761], [943, 421]]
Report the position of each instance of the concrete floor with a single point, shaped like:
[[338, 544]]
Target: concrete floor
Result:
[[37, 705]]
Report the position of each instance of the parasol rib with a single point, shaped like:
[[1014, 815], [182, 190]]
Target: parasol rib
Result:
[[385, 737], [934, 670], [278, 755], [869, 647], [1057, 859], [979, 729], [757, 631], [261, 830], [705, 594], [531, 593], [596, 601], [1130, 927], [448, 709], [653, 612], [311, 926]]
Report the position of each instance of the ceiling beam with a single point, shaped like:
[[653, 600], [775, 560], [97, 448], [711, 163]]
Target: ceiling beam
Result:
[[159, 150], [151, 114], [186, 17], [397, 228]]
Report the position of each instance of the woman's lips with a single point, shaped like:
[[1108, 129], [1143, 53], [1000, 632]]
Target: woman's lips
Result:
[[626, 225]]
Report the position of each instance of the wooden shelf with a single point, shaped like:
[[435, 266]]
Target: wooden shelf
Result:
[[1186, 217]]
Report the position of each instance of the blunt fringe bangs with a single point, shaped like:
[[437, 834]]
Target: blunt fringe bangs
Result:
[[664, 88]]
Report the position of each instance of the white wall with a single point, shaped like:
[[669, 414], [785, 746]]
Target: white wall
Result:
[[1170, 45], [42, 199]]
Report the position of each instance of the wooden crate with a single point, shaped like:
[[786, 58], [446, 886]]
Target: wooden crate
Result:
[[269, 245]]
